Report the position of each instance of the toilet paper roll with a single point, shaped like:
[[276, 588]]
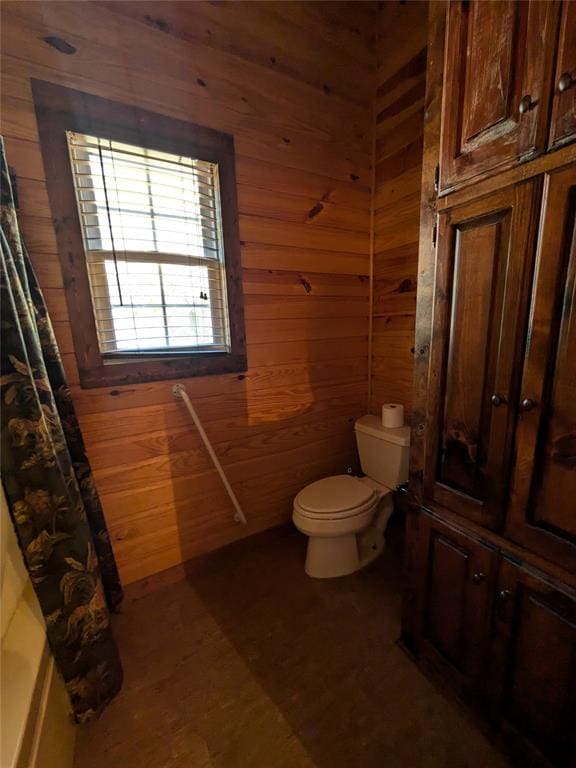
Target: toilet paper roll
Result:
[[392, 415]]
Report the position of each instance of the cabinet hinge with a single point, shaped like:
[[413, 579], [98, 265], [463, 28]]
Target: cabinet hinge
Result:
[[436, 178], [434, 235]]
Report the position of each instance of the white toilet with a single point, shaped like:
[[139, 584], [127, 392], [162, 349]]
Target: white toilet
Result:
[[346, 516]]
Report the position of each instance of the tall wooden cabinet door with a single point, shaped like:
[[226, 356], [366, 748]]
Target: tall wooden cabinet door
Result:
[[533, 665], [455, 587], [563, 125], [542, 511], [497, 82], [483, 271]]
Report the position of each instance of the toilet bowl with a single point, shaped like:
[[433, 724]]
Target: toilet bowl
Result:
[[345, 517]]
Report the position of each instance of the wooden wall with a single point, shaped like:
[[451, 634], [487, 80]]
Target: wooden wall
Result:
[[399, 115], [293, 82]]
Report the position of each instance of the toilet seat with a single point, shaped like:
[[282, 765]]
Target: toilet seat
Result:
[[335, 498]]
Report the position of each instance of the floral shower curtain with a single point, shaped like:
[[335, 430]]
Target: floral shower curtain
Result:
[[49, 487]]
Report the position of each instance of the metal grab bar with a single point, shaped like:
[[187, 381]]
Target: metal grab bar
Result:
[[179, 390]]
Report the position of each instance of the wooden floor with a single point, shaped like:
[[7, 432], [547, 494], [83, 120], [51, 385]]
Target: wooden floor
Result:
[[251, 664]]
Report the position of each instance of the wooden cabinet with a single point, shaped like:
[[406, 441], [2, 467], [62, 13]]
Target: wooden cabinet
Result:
[[563, 124], [542, 511], [455, 577], [533, 665], [491, 537], [503, 635], [484, 261], [497, 82]]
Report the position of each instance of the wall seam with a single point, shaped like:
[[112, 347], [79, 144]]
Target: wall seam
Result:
[[372, 226]]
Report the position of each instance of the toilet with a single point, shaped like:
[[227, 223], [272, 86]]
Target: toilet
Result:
[[345, 517]]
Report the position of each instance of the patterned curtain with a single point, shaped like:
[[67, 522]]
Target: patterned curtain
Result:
[[49, 486]]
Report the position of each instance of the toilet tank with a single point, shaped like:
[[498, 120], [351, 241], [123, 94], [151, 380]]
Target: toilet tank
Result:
[[384, 452]]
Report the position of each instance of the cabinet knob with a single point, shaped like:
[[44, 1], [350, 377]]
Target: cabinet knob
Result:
[[478, 577], [504, 595], [497, 400], [526, 104], [527, 405], [566, 81]]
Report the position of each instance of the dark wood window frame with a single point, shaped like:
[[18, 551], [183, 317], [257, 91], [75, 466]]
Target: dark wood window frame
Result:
[[60, 109]]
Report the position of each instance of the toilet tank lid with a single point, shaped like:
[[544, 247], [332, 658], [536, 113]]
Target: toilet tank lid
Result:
[[372, 425]]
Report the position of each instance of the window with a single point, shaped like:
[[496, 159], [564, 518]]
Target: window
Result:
[[145, 213], [151, 226]]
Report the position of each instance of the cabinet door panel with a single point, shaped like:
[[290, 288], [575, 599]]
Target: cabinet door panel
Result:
[[487, 94], [477, 291], [482, 280], [498, 57], [533, 676], [542, 512], [563, 126], [455, 582], [446, 615]]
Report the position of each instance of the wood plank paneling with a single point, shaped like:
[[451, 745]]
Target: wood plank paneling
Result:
[[399, 115], [294, 84]]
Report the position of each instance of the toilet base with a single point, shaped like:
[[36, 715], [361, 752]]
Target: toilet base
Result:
[[370, 545], [331, 556]]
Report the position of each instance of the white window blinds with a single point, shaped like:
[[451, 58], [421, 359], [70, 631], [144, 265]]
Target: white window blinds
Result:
[[152, 230]]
